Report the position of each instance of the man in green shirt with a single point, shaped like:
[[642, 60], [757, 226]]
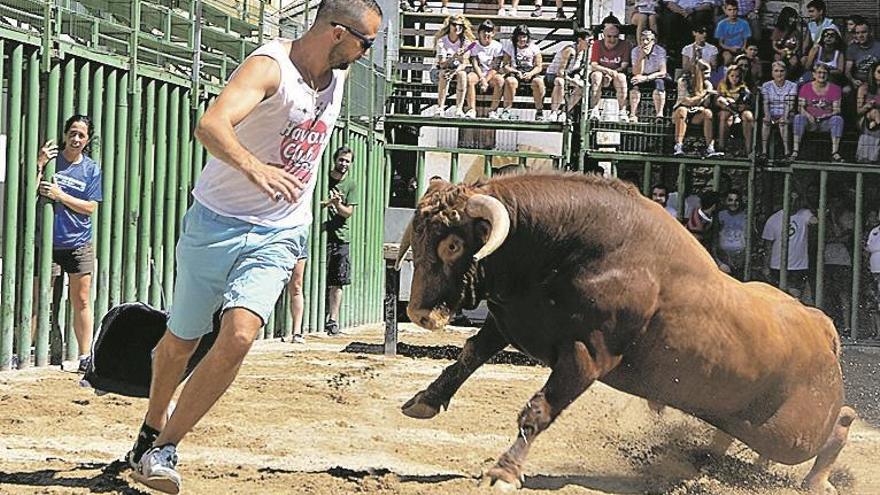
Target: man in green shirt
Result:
[[340, 206]]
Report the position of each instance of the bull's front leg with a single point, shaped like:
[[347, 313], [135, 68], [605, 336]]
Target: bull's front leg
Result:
[[579, 364], [476, 351]]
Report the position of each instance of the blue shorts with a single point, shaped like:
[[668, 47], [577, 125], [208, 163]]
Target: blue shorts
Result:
[[223, 262]]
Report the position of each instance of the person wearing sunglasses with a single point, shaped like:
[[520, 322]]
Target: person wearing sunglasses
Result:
[[452, 43], [266, 133]]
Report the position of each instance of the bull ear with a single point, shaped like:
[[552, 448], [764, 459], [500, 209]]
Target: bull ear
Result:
[[405, 242], [494, 212]]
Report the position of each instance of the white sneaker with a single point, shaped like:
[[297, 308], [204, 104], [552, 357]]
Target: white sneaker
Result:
[[561, 116], [502, 12], [437, 112], [470, 114], [678, 150], [594, 114], [459, 113], [298, 339], [513, 12], [444, 10], [623, 116], [157, 470], [495, 114], [451, 112], [505, 114]]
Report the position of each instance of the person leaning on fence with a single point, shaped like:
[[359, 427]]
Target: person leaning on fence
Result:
[[734, 103], [693, 106], [609, 61], [800, 221], [729, 247], [649, 71], [75, 191], [779, 98], [868, 108], [565, 75], [819, 111], [266, 133], [522, 63], [452, 45], [485, 58]]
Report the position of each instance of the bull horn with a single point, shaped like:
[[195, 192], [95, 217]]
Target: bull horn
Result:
[[494, 212], [405, 242]]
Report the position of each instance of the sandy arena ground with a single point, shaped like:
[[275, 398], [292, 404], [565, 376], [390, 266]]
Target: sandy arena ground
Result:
[[308, 419]]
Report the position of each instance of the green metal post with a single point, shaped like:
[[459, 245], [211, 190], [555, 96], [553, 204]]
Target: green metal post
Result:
[[646, 178], [171, 191], [29, 193], [487, 166], [118, 195], [82, 103], [823, 229], [198, 148], [145, 226], [46, 219], [857, 259], [750, 222], [421, 180], [10, 224], [682, 175], [68, 108], [133, 195], [786, 218], [453, 168], [158, 208], [716, 177], [105, 211], [185, 168]]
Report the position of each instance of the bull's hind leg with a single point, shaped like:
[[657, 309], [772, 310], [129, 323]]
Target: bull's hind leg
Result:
[[576, 368], [817, 480], [477, 350]]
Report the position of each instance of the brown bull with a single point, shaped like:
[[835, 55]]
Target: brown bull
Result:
[[600, 283]]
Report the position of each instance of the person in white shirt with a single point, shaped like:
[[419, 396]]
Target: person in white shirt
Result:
[[452, 45], [779, 96], [485, 56], [522, 63], [800, 221], [252, 211], [872, 247], [700, 49], [564, 73]]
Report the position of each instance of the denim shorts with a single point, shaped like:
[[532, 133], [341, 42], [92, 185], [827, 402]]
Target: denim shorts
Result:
[[224, 263]]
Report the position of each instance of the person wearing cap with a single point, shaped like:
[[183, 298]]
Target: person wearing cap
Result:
[[609, 61], [700, 49], [485, 58]]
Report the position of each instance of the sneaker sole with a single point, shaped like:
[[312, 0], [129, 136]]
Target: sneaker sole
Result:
[[163, 485]]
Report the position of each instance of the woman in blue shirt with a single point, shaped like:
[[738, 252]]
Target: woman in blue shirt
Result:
[[75, 190]]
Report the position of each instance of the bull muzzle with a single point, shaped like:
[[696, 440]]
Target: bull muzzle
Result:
[[429, 319]]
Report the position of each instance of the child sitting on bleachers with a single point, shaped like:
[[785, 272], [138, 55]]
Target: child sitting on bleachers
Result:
[[732, 32]]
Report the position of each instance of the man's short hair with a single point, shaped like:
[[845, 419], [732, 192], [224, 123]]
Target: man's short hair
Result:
[[342, 150], [614, 21], [817, 4], [660, 186], [581, 34], [732, 3], [346, 9]]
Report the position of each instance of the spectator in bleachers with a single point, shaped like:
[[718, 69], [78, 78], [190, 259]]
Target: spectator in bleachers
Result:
[[861, 55], [730, 246], [734, 105], [649, 71], [483, 73], [779, 96], [514, 6], [660, 195], [818, 23], [701, 221], [819, 110], [694, 99], [700, 49], [851, 23], [565, 72], [798, 228], [644, 16], [702, 12], [539, 11], [744, 64], [868, 107], [787, 40], [452, 42], [756, 68], [609, 61], [732, 32], [522, 64], [830, 52]]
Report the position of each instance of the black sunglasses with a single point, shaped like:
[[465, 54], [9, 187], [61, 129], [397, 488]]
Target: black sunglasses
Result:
[[366, 43]]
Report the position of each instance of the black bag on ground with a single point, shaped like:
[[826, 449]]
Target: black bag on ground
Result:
[[122, 349]]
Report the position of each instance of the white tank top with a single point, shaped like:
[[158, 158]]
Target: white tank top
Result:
[[554, 68], [290, 129]]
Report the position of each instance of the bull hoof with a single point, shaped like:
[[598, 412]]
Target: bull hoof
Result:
[[419, 408], [500, 480], [820, 488]]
